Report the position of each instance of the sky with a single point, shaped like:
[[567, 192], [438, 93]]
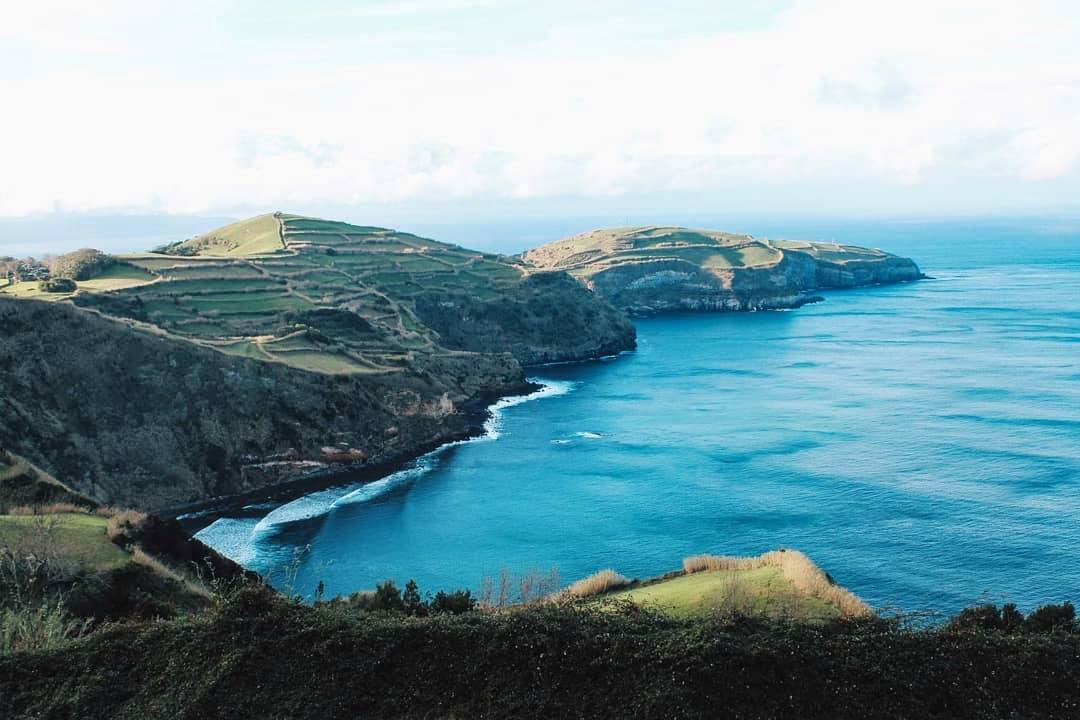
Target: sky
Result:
[[455, 111]]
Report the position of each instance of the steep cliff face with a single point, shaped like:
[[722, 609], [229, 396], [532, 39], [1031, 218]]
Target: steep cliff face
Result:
[[658, 269], [139, 420], [665, 284], [276, 347], [549, 317], [859, 273]]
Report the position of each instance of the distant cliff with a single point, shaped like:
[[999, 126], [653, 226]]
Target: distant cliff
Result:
[[655, 269]]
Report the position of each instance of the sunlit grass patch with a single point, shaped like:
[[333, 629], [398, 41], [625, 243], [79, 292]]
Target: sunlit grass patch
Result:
[[77, 537]]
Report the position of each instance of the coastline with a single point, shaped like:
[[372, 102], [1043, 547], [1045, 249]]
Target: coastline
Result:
[[482, 425]]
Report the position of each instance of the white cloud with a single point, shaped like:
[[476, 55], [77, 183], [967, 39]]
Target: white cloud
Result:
[[831, 92], [406, 7]]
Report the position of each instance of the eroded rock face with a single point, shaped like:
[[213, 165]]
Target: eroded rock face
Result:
[[143, 421], [888, 270], [659, 269], [547, 318], [670, 284]]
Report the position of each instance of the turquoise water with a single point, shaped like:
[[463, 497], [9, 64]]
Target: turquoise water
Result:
[[921, 442]]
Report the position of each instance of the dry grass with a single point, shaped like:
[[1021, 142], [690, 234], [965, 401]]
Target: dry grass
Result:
[[595, 584], [149, 561], [803, 573], [510, 590], [60, 508]]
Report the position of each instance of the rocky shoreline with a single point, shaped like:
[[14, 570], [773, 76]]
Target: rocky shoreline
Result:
[[195, 516]]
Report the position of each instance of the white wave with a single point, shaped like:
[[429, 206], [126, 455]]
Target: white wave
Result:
[[303, 508], [372, 490], [324, 501], [231, 537], [588, 435], [560, 442], [548, 389]]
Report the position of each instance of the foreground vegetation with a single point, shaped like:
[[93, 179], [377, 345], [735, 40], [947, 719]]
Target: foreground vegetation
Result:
[[256, 655], [115, 614]]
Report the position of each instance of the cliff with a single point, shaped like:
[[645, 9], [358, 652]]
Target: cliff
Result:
[[139, 420], [274, 348], [656, 269]]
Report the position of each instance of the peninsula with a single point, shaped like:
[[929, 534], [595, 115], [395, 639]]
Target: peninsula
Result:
[[651, 269]]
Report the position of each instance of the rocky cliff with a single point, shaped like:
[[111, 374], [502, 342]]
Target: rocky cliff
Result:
[[276, 347], [139, 420], [656, 269]]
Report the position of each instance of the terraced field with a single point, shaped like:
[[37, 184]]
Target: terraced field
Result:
[[591, 253], [317, 294]]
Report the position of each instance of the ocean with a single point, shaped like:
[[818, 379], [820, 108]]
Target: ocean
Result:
[[921, 442]]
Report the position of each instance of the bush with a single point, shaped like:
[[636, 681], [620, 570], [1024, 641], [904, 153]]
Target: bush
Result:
[[1051, 618], [982, 617], [386, 598], [81, 264], [455, 603], [126, 527], [57, 285], [1047, 618], [43, 627]]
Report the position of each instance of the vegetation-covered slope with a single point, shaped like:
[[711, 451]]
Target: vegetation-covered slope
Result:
[[333, 297], [777, 584], [650, 269], [147, 421], [270, 347], [261, 657]]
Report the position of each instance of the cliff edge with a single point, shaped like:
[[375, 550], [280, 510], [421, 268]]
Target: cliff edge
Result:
[[655, 269]]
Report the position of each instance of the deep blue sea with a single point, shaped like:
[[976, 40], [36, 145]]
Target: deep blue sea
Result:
[[921, 442]]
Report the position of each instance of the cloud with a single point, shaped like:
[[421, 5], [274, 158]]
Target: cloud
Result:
[[407, 7], [840, 93]]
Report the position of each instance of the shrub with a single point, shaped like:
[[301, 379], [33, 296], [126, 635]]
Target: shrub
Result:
[[385, 598], [43, 627], [455, 603], [57, 285], [81, 264], [983, 617], [410, 597], [126, 527], [1050, 618]]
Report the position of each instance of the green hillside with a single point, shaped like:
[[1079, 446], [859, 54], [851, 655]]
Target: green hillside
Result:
[[595, 251], [598, 250], [333, 297]]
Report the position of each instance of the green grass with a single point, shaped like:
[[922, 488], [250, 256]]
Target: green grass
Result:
[[254, 236], [117, 276], [78, 537], [763, 591], [245, 283], [322, 362], [31, 291]]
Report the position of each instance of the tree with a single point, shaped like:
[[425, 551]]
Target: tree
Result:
[[411, 600]]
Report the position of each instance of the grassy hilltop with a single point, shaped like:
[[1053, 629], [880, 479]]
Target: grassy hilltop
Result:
[[274, 347], [332, 297], [657, 268]]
